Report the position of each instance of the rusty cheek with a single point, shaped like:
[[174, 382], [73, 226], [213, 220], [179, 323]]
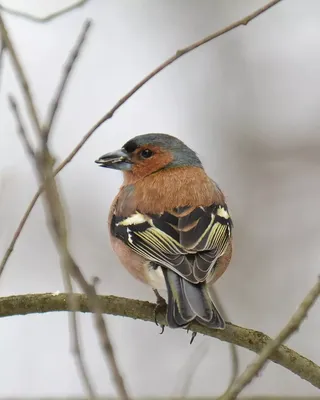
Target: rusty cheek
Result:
[[143, 168]]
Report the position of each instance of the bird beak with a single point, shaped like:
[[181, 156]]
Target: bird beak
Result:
[[116, 160]]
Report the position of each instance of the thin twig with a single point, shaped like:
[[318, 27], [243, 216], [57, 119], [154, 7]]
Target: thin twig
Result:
[[76, 349], [69, 66], [144, 311], [293, 325], [243, 21], [20, 128], [235, 363], [197, 357], [21, 75], [75, 336], [193, 362], [48, 126], [66, 277], [2, 51], [43, 161], [47, 18]]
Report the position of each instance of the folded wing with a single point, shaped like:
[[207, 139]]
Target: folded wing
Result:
[[187, 240]]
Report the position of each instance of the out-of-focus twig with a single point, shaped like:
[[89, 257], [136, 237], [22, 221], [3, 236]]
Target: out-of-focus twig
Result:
[[20, 128], [144, 311], [2, 50], [56, 101], [235, 364], [47, 18], [295, 321], [21, 75], [43, 161], [197, 356], [110, 113], [66, 277]]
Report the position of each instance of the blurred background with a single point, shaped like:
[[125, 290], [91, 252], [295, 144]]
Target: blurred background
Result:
[[247, 102]]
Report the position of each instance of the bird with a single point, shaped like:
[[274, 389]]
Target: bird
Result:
[[170, 226]]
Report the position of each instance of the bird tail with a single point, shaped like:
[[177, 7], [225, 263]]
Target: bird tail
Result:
[[188, 301]]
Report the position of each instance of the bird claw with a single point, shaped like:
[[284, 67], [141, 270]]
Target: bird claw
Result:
[[194, 334], [160, 304]]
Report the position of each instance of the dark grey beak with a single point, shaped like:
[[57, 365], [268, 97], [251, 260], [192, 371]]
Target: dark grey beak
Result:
[[116, 160]]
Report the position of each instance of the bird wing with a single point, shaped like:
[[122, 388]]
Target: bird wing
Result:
[[187, 240]]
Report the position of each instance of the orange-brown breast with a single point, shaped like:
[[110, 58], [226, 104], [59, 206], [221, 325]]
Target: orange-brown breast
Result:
[[135, 264], [168, 189], [164, 191], [222, 263]]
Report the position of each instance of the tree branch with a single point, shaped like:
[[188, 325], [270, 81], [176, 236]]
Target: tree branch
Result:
[[235, 362], [20, 127], [47, 18], [179, 53], [43, 162], [293, 325], [2, 51], [69, 65], [21, 75], [143, 310]]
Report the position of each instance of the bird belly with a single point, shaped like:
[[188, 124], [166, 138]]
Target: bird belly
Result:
[[156, 278]]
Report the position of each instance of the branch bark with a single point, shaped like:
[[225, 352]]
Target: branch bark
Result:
[[43, 162], [293, 325], [143, 310]]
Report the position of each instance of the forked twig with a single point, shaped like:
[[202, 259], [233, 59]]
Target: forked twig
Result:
[[47, 18], [55, 213], [56, 101], [295, 321], [72, 300]]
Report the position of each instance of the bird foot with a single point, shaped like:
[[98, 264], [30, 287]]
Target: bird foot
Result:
[[193, 335], [160, 304]]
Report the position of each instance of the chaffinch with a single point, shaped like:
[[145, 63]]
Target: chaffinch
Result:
[[170, 226]]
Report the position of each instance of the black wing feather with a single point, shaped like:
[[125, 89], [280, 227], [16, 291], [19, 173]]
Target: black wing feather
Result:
[[187, 240]]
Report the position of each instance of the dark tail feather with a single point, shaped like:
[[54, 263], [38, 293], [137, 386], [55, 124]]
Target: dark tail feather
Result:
[[188, 301]]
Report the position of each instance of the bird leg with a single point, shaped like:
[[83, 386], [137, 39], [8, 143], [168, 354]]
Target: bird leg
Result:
[[193, 335], [160, 303]]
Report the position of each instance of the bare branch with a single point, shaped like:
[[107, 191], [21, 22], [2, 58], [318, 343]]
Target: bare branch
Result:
[[43, 161], [56, 101], [194, 361], [20, 75], [179, 53], [235, 363], [75, 337], [198, 356], [84, 374], [47, 18], [144, 311], [2, 50], [66, 277], [243, 21], [18, 231], [295, 321], [20, 127]]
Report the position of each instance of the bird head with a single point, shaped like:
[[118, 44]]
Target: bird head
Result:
[[146, 154]]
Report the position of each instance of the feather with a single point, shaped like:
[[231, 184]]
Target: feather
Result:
[[186, 243], [187, 301]]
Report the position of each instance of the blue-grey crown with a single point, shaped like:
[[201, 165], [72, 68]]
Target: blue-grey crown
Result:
[[182, 154]]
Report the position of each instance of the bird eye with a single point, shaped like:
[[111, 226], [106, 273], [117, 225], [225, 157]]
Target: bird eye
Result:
[[146, 153]]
